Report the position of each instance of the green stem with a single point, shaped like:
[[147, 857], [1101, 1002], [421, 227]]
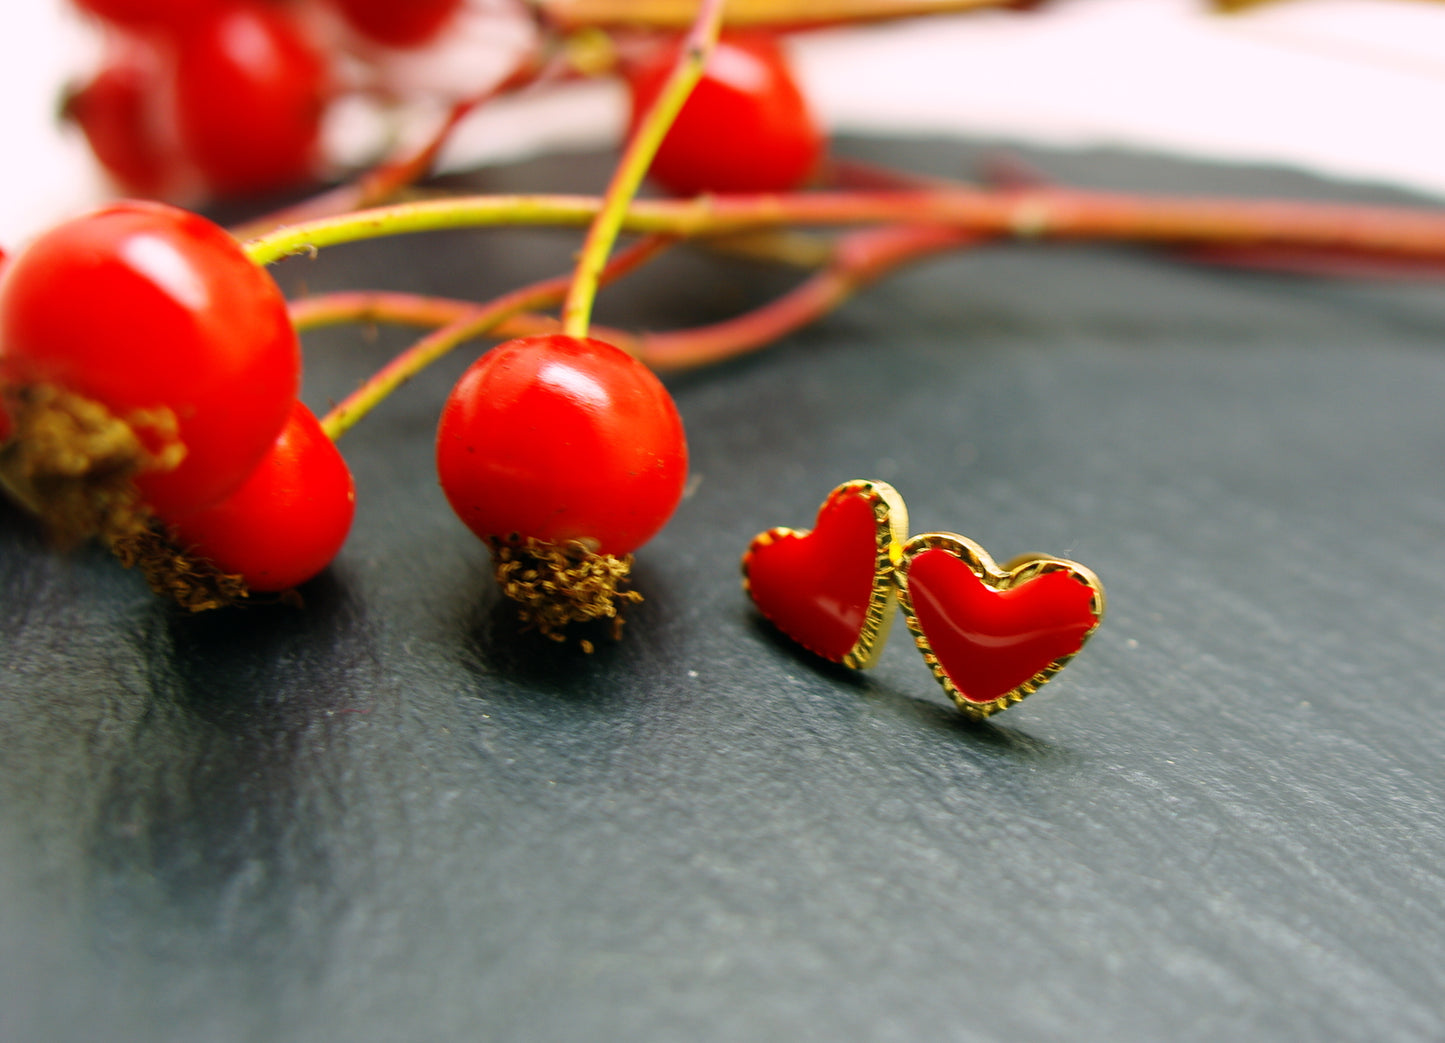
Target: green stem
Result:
[[632, 167], [480, 319], [421, 216], [1037, 214]]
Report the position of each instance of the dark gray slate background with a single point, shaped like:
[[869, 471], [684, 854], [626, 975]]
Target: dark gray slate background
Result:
[[388, 817]]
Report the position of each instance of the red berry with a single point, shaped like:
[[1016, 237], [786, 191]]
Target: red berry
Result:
[[6, 424], [148, 14], [117, 112], [142, 306], [745, 128], [398, 24], [559, 438], [250, 93], [289, 518]]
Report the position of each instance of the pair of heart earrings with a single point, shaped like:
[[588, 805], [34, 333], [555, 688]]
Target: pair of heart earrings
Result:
[[992, 635]]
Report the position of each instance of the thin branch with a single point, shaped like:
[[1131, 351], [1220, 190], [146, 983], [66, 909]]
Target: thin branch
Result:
[[860, 258], [1033, 214]]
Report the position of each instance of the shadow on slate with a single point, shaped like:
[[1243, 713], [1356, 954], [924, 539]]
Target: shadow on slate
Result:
[[389, 817]]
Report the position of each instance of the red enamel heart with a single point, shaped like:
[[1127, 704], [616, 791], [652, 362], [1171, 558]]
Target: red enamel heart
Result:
[[831, 589], [991, 635]]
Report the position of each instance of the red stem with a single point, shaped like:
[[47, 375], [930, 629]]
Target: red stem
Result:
[[860, 258], [423, 312]]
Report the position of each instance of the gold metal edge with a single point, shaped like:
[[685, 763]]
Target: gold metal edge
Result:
[[890, 521]]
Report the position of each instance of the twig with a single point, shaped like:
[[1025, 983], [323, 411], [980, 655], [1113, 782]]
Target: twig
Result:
[[860, 258], [1036, 214]]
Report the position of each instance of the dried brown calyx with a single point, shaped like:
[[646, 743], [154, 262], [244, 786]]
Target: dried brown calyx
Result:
[[554, 585], [73, 462], [191, 581]]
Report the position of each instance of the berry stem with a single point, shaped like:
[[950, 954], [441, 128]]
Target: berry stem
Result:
[[1005, 169], [377, 306], [1035, 214], [860, 258], [632, 167], [418, 310], [474, 322], [421, 216]]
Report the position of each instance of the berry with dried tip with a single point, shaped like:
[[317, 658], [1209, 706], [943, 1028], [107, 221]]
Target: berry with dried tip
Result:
[[564, 454], [141, 350]]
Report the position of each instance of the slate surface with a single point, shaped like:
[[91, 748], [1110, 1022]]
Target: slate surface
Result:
[[389, 818]]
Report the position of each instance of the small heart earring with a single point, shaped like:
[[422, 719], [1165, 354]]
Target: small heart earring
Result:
[[831, 589], [991, 635]]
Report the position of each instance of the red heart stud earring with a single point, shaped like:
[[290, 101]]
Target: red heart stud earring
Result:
[[831, 589], [994, 635], [991, 635]]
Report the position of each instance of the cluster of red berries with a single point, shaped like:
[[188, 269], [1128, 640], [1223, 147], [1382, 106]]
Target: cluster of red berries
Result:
[[225, 97], [163, 415], [180, 379], [170, 397]]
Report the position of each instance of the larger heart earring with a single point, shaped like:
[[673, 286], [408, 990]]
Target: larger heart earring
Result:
[[994, 635], [991, 635]]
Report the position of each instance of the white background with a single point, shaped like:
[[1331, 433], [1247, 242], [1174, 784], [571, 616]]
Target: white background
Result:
[[1354, 88]]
